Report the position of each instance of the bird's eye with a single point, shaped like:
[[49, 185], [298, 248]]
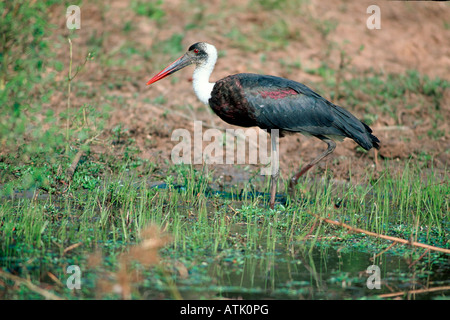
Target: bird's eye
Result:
[[195, 50]]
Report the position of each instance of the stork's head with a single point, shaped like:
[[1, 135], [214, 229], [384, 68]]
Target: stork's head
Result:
[[201, 54]]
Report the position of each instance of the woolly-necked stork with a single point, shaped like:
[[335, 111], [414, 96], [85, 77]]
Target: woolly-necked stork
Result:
[[270, 102]]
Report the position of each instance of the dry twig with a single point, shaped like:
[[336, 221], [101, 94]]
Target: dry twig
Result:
[[401, 293], [46, 294], [382, 236]]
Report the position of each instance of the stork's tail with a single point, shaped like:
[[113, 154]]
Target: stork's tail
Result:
[[374, 140], [355, 128]]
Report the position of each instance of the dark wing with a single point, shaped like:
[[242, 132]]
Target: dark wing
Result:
[[279, 103]]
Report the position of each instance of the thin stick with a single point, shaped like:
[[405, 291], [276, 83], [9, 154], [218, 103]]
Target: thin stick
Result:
[[418, 259], [387, 249], [401, 293], [71, 170], [46, 294], [71, 247], [382, 236], [69, 79]]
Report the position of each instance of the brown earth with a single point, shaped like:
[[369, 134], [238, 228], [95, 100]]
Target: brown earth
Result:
[[413, 35]]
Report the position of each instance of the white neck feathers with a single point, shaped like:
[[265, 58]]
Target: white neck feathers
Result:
[[202, 72]]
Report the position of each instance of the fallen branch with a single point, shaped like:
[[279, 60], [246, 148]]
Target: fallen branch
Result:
[[71, 170], [418, 259], [46, 294], [401, 293], [387, 249], [382, 236], [71, 247]]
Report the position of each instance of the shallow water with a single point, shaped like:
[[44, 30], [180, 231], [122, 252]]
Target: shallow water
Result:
[[325, 270], [326, 274], [323, 273]]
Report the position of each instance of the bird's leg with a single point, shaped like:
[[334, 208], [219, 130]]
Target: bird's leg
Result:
[[275, 169], [331, 146]]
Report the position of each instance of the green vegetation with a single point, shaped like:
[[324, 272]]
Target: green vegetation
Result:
[[151, 10], [207, 229], [75, 190], [21, 79]]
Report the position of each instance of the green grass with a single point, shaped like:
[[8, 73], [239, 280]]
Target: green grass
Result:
[[221, 246], [151, 10], [111, 216]]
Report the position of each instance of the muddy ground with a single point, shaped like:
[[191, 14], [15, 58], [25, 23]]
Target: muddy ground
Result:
[[413, 35]]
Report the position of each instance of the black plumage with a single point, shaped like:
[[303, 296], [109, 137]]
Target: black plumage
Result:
[[271, 102]]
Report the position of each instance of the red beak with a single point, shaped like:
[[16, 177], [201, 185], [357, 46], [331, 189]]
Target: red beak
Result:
[[178, 64]]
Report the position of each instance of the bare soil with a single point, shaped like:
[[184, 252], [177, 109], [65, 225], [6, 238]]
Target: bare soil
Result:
[[413, 35]]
